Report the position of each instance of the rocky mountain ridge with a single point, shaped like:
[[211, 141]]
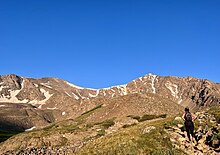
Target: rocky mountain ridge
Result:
[[44, 92], [70, 101]]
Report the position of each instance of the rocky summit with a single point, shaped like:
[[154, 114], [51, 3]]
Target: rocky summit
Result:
[[58, 117]]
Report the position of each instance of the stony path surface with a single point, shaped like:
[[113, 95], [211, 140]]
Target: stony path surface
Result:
[[205, 142]]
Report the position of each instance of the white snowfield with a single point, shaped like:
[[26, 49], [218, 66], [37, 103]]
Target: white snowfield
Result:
[[12, 97], [68, 94], [173, 89], [74, 86], [46, 85], [42, 102], [76, 97], [153, 79], [91, 95], [36, 85], [122, 89], [52, 108], [32, 128], [78, 87], [97, 93], [2, 88], [13, 93]]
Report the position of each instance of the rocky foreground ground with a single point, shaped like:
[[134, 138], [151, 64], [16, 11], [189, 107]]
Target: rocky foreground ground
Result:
[[206, 141]]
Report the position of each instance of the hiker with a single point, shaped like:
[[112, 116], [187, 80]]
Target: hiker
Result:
[[188, 122]]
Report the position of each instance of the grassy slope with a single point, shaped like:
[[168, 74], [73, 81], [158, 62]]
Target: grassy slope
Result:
[[216, 112], [4, 135], [134, 140], [130, 140]]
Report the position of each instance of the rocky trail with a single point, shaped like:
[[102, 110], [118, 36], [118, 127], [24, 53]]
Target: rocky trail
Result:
[[207, 136]]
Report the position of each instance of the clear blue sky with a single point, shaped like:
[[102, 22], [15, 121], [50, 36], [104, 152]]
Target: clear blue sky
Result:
[[100, 43]]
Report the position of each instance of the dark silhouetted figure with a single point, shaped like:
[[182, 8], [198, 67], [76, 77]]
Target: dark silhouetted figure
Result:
[[189, 125]]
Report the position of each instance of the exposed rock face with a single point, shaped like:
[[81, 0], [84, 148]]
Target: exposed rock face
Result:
[[19, 117], [50, 92]]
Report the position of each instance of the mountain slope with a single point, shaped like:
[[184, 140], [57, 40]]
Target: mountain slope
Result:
[[52, 92], [134, 104], [19, 117]]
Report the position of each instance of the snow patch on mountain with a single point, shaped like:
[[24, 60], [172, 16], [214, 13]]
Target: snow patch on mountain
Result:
[[135, 83], [32, 128], [104, 92], [36, 85], [12, 97], [173, 89], [82, 97], [180, 101], [42, 102], [180, 98], [68, 94], [140, 78], [122, 89], [76, 97], [52, 108], [46, 85], [152, 78], [74, 86], [2, 88], [91, 95]]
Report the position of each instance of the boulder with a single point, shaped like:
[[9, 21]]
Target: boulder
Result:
[[148, 129]]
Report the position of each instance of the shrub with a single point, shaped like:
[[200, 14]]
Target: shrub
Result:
[[128, 125], [134, 117], [147, 117], [106, 123], [216, 112], [163, 116], [100, 133], [91, 110]]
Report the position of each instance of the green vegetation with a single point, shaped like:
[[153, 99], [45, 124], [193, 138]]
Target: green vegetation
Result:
[[216, 112], [86, 114], [92, 110], [128, 125], [106, 123], [147, 117], [4, 135], [100, 133], [134, 140], [174, 122]]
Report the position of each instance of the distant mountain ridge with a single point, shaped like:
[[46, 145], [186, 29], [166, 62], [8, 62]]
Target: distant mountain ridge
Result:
[[42, 92], [66, 100]]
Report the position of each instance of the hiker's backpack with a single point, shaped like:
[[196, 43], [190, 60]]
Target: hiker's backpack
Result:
[[188, 116]]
